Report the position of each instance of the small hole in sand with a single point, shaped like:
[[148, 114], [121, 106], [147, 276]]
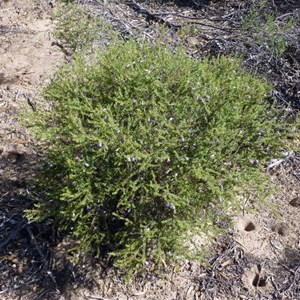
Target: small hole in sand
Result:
[[249, 226], [259, 281], [282, 231], [295, 202], [245, 224], [281, 228]]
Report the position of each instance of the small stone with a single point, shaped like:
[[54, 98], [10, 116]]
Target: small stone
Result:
[[295, 202]]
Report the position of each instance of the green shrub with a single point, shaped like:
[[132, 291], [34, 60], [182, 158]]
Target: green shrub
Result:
[[77, 27], [266, 30], [146, 147]]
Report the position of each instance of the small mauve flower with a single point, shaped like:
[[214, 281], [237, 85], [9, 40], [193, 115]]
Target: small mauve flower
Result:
[[170, 206], [147, 264]]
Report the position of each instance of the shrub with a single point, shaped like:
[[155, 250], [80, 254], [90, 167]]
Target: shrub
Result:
[[267, 30], [78, 28], [146, 146]]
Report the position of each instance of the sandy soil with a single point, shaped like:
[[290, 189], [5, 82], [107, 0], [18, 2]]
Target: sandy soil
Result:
[[258, 259], [27, 62]]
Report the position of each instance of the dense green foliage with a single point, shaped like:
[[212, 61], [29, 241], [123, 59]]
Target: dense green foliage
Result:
[[78, 28], [146, 146]]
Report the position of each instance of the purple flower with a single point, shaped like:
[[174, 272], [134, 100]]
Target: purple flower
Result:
[[170, 206]]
